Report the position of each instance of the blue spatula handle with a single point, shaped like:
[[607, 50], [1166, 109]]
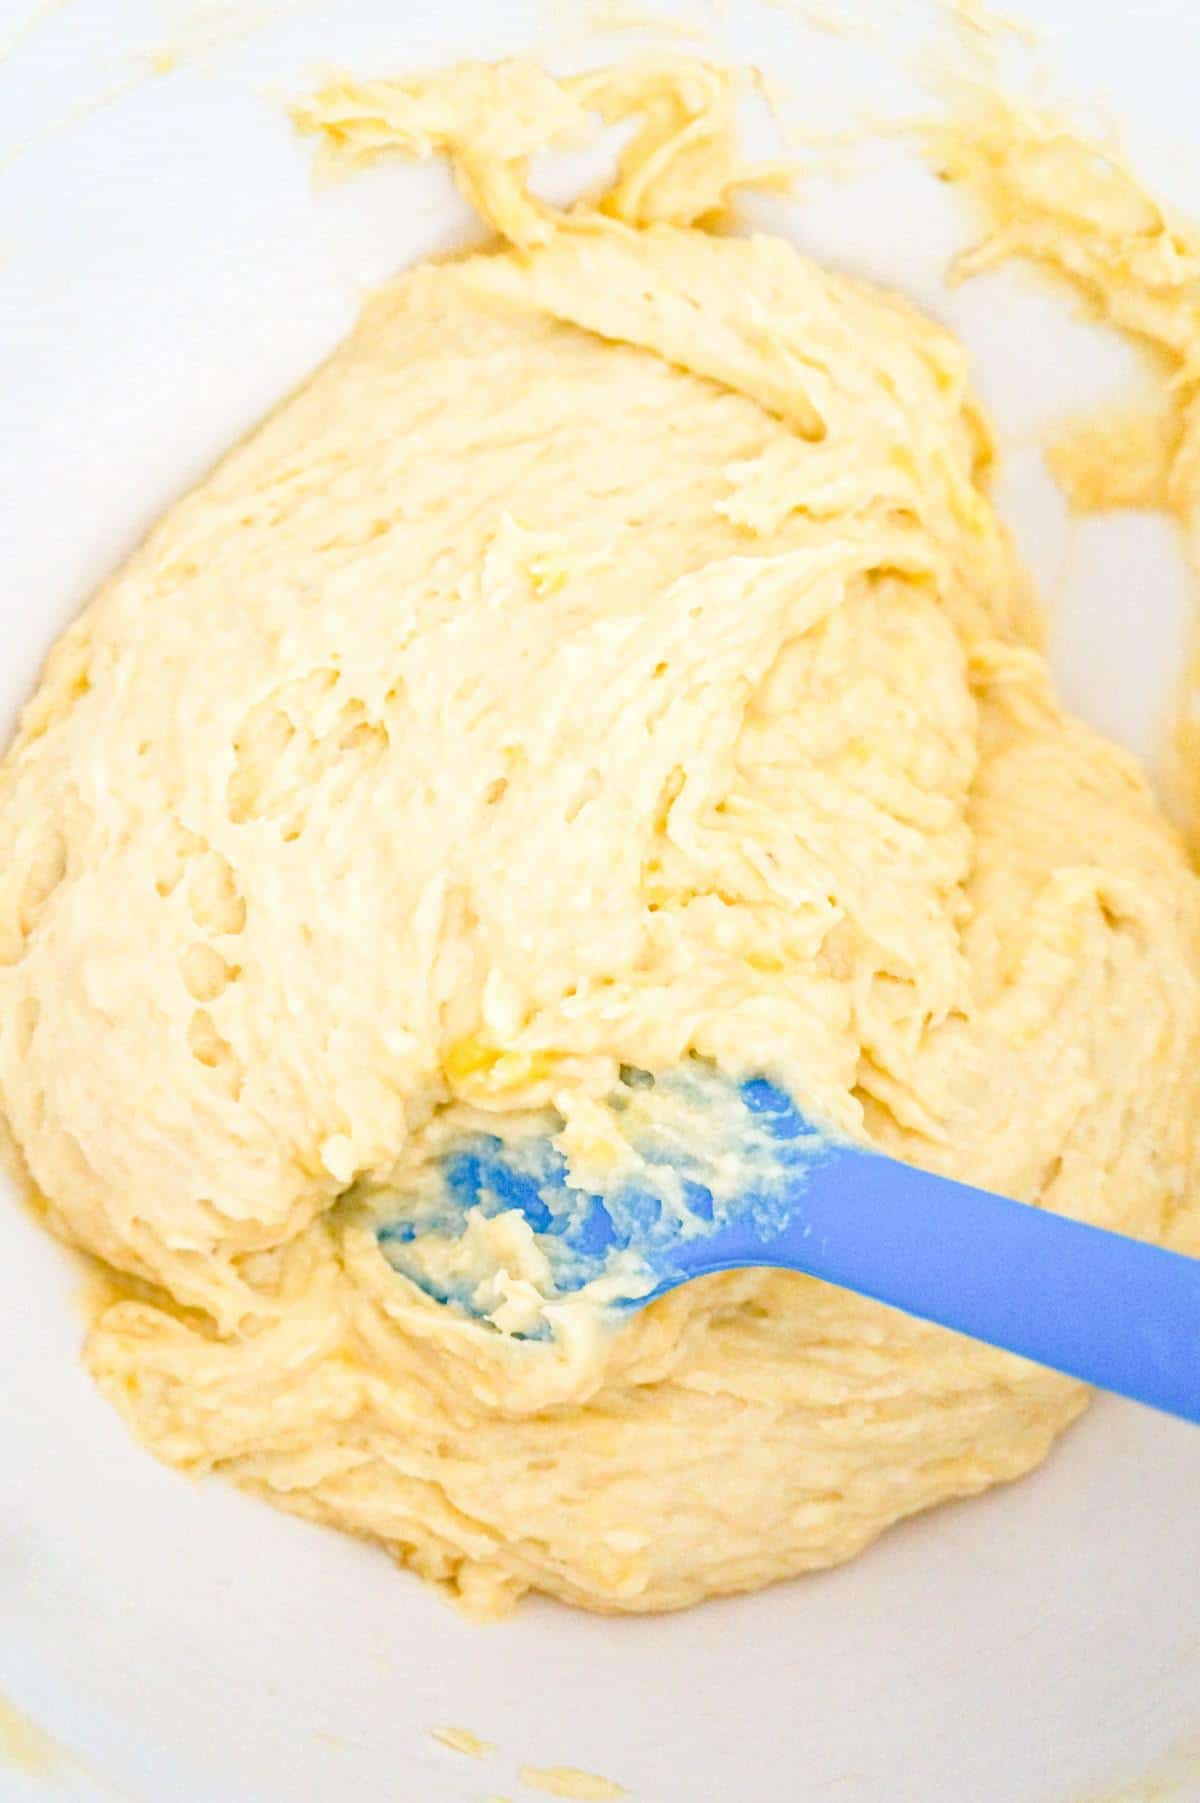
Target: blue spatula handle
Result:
[[1110, 1310]]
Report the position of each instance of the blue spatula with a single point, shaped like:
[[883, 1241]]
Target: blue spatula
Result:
[[712, 1175]]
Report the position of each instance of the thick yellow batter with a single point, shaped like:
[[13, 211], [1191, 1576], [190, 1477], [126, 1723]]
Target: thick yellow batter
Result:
[[611, 653]]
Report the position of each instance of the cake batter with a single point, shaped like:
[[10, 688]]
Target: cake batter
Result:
[[611, 654]]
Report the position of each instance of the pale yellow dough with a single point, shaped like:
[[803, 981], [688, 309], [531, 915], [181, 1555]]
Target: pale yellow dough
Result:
[[611, 653]]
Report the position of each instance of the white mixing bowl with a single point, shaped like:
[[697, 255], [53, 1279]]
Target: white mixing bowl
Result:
[[167, 272]]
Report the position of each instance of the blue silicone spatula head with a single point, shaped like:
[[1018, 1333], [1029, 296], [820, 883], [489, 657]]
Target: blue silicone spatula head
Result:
[[701, 1173]]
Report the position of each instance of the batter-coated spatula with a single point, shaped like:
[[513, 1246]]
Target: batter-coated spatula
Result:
[[723, 1175]]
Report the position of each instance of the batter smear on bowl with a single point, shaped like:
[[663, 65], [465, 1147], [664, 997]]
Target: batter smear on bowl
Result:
[[610, 658]]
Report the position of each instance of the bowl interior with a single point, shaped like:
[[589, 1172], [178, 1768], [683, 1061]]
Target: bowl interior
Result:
[[170, 272]]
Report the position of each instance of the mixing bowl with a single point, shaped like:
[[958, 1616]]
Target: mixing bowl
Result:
[[169, 270]]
